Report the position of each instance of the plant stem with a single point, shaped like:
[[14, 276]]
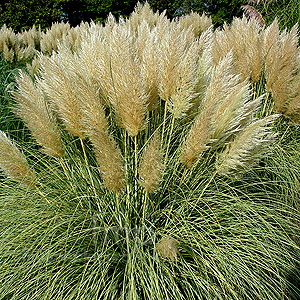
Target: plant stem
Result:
[[135, 166], [207, 185], [164, 122], [170, 136], [41, 194], [87, 166], [64, 168], [147, 126], [265, 104], [126, 167]]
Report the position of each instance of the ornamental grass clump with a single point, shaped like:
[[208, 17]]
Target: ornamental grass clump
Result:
[[20, 46], [134, 185]]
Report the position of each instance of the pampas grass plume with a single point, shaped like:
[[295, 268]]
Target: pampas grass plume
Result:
[[248, 146], [14, 163], [110, 160], [151, 169], [61, 87], [167, 247], [32, 108]]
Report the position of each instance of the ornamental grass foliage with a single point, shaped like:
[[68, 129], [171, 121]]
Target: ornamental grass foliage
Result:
[[142, 177]]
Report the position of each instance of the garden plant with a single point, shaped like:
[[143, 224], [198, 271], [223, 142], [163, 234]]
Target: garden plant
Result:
[[152, 159]]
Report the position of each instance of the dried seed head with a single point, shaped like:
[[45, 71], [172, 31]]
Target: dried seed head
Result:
[[251, 12], [248, 146], [167, 248], [14, 163], [198, 138], [33, 109], [60, 85], [152, 167], [109, 157]]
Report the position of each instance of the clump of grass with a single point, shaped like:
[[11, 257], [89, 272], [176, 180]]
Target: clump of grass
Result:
[[137, 206], [266, 57]]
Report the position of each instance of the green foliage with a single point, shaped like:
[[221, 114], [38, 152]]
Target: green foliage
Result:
[[220, 10], [7, 118], [21, 15], [286, 11], [76, 11], [169, 6], [230, 236]]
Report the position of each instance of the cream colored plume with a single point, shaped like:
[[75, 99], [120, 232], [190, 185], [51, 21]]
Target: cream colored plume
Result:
[[128, 96], [243, 38], [246, 149], [292, 108], [198, 138], [92, 109], [151, 169], [60, 86], [110, 160], [33, 109], [222, 81], [167, 248], [95, 63], [203, 72], [150, 69], [20, 46], [143, 13], [281, 63], [14, 163], [198, 23], [233, 114], [52, 36], [178, 57]]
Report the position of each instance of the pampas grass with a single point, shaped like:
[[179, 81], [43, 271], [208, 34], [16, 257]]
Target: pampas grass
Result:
[[32, 108], [160, 191], [14, 163]]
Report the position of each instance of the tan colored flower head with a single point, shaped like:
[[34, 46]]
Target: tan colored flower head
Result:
[[14, 163], [167, 248]]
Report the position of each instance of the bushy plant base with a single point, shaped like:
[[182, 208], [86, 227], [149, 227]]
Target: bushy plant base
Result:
[[233, 241]]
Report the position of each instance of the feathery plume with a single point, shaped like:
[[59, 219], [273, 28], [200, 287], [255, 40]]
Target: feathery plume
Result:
[[52, 36], [151, 167], [293, 103], [198, 137], [253, 13], [221, 83], [61, 88], [95, 63], [243, 39], [203, 71], [143, 13], [178, 54], [198, 23], [149, 70], [110, 160], [32, 108], [128, 96], [93, 113], [234, 114], [186, 81], [167, 248], [14, 163], [281, 63], [247, 147]]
